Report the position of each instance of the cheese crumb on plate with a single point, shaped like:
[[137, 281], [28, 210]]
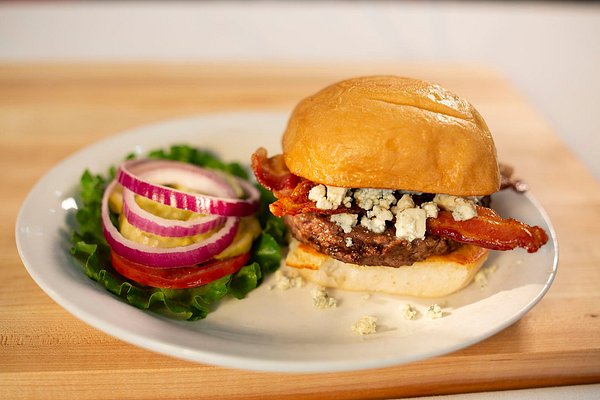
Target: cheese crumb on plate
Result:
[[409, 311], [435, 311], [285, 280], [321, 299], [365, 326]]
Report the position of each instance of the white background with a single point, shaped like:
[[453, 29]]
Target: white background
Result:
[[550, 51]]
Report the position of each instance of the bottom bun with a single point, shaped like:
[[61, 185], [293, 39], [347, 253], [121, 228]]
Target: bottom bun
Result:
[[433, 277]]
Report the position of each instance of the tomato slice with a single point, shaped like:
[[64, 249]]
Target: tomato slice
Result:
[[178, 278]]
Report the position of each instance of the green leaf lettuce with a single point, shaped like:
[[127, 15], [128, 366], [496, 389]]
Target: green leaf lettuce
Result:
[[90, 247]]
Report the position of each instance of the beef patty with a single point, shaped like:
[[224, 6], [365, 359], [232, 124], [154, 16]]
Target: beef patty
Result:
[[367, 248]]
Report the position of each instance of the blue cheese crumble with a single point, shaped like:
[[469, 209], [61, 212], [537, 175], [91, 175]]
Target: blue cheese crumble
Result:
[[365, 326], [345, 221], [405, 202], [411, 224], [376, 218], [384, 207], [462, 208], [285, 280], [321, 298], [369, 198], [327, 197], [434, 311], [431, 209], [409, 311]]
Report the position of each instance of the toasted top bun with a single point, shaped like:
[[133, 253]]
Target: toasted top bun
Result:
[[391, 133], [433, 277]]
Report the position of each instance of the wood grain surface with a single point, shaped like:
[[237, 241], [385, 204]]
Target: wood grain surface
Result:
[[49, 111]]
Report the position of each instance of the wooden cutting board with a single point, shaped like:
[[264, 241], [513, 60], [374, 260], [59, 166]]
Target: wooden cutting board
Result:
[[49, 111]]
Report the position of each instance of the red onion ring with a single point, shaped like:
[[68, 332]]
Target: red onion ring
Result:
[[149, 222], [134, 176], [165, 257]]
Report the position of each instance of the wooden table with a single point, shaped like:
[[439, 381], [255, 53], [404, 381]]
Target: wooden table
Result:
[[49, 111]]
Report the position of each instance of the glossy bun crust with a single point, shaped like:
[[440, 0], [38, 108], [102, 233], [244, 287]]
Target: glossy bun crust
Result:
[[393, 133]]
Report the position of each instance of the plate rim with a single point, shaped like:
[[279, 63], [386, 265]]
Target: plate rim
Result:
[[214, 358]]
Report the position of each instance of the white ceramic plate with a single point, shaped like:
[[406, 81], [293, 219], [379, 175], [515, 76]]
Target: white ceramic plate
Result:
[[272, 329]]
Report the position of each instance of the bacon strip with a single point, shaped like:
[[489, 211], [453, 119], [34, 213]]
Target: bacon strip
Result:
[[296, 202], [488, 230], [290, 190], [273, 174]]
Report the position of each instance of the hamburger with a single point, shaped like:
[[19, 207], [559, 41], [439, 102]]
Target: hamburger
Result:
[[384, 184]]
